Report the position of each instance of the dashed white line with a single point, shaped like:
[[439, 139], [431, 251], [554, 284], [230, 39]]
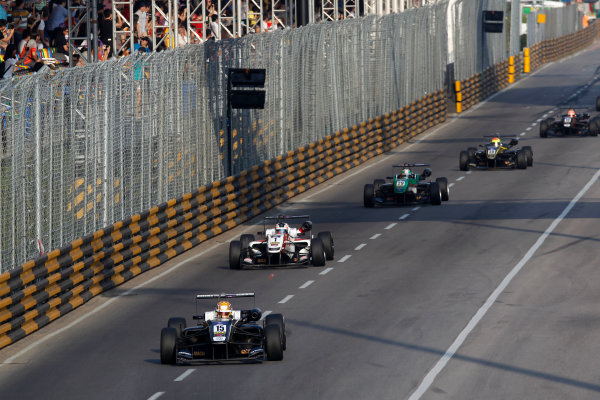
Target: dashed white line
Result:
[[360, 246], [265, 314], [539, 120], [375, 236], [156, 395], [544, 116], [347, 256], [286, 299], [416, 209], [469, 172], [404, 216], [534, 124], [528, 129], [184, 375], [451, 184], [522, 133], [462, 336], [460, 178], [326, 271], [390, 226], [306, 284]]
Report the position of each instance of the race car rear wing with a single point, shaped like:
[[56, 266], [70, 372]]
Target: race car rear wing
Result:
[[409, 165], [280, 217], [223, 295]]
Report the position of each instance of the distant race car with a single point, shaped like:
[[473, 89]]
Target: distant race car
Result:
[[223, 334], [570, 123], [406, 187], [497, 154], [282, 245]]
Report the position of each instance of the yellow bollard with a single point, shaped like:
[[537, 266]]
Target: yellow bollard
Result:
[[526, 61], [511, 69], [458, 97]]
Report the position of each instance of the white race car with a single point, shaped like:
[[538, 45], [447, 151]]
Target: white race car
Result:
[[282, 245]]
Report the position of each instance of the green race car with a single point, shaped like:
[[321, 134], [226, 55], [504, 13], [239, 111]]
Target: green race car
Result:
[[406, 187]]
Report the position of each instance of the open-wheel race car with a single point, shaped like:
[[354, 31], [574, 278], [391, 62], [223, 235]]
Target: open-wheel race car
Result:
[[570, 122], [406, 187], [223, 334], [281, 245], [497, 154]]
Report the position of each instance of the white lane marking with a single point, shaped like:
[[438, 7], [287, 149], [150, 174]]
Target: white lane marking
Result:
[[544, 116], [451, 184], [528, 129], [404, 216], [326, 271], [469, 172], [522, 133], [156, 395], [95, 310], [360, 246], [286, 299], [265, 314], [539, 120], [437, 368], [390, 226], [306, 284], [460, 178], [184, 375], [375, 236], [347, 256], [416, 209], [534, 124]]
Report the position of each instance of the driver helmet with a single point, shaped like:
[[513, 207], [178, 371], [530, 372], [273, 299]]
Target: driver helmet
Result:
[[405, 173], [223, 309], [496, 142], [571, 113], [282, 228]]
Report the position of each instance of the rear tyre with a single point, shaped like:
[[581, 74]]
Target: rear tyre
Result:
[[544, 126], [168, 340], [377, 184], [327, 240], [235, 253], [435, 195], [594, 126], [598, 103], [273, 345], [463, 161], [369, 196], [178, 323], [521, 160], [445, 191], [317, 252], [245, 240], [529, 153], [277, 319]]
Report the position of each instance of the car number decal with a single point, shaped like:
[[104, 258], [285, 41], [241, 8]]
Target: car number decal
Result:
[[400, 183], [491, 152], [219, 333]]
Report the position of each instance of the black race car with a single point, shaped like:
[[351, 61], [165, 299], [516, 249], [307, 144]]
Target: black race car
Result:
[[406, 187], [241, 336], [570, 123], [496, 154]]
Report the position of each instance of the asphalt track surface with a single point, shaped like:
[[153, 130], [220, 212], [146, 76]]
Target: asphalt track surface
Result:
[[492, 295]]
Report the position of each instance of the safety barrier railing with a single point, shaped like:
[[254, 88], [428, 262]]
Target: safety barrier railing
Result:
[[50, 286]]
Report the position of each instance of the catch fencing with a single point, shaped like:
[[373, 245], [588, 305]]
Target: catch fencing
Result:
[[552, 23]]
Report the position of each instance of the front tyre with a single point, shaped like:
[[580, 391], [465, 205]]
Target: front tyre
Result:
[[369, 196], [521, 160], [178, 323], [435, 195], [277, 319], [245, 240], [168, 341], [463, 161], [529, 153], [273, 345], [444, 189], [317, 252], [377, 184], [327, 240], [235, 253]]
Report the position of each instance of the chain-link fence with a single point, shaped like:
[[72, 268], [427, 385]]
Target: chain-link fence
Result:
[[551, 23], [85, 147]]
